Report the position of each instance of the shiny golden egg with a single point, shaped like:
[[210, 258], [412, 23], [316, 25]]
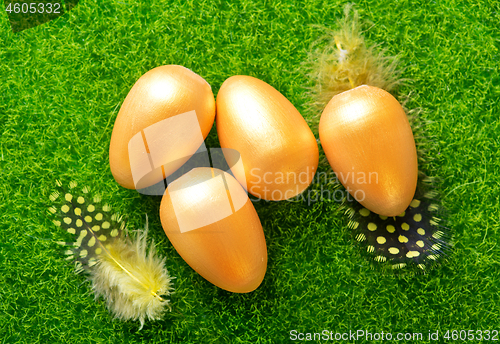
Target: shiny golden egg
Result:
[[209, 219], [369, 144], [162, 122], [279, 153]]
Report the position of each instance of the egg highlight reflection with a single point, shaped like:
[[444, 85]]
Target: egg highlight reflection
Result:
[[369, 143], [168, 113], [278, 150], [209, 219]]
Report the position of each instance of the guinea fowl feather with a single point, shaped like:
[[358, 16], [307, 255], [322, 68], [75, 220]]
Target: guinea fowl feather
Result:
[[123, 270]]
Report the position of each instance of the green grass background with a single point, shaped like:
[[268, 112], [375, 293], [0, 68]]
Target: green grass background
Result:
[[61, 86]]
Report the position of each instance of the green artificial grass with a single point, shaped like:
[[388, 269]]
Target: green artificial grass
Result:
[[62, 84]]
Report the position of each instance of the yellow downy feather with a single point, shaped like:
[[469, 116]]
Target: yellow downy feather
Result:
[[123, 270], [341, 60], [132, 282]]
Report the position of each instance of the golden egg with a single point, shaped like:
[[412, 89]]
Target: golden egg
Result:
[[279, 153], [369, 143], [209, 219], [162, 122]]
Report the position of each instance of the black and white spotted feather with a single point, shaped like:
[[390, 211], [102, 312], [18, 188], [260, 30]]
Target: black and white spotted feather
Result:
[[414, 237], [123, 270]]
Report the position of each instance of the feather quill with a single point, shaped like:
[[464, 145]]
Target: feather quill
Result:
[[131, 277]]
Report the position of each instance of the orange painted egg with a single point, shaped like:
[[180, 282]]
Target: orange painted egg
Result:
[[369, 143], [209, 219], [279, 153], [162, 122]]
